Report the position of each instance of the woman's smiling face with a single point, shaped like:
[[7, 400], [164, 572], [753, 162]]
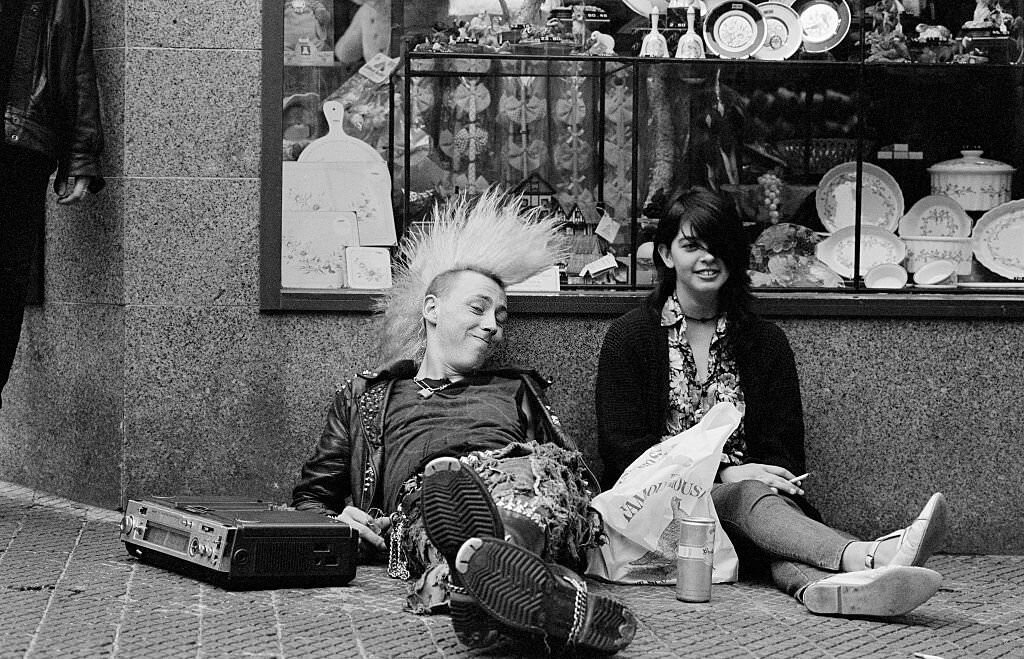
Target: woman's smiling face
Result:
[[697, 271]]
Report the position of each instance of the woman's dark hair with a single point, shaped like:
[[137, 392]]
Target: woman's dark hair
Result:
[[713, 221]]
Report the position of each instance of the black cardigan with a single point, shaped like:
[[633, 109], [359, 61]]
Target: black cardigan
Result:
[[632, 393]]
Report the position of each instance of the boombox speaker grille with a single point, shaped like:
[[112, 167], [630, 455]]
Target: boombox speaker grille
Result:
[[283, 557]]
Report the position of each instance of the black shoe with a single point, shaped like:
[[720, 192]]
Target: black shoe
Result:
[[519, 589], [457, 506]]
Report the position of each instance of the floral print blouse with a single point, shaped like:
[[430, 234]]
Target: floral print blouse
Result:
[[689, 398]]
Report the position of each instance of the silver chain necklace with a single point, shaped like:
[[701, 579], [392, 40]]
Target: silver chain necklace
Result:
[[426, 390]]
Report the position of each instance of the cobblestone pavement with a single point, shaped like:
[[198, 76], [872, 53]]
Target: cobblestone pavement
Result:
[[69, 589]]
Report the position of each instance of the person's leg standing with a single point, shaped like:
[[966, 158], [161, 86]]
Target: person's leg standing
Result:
[[23, 181]]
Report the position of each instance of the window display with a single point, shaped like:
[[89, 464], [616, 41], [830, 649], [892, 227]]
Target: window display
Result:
[[869, 150]]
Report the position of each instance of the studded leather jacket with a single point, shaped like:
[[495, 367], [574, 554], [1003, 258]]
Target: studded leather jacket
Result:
[[53, 102], [347, 462]]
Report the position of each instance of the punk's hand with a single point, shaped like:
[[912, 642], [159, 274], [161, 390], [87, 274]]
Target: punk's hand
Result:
[[368, 527], [774, 477]]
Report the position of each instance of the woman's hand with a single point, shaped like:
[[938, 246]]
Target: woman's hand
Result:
[[368, 527], [774, 477]]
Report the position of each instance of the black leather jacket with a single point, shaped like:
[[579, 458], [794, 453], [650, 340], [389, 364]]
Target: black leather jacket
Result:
[[53, 103], [348, 459]]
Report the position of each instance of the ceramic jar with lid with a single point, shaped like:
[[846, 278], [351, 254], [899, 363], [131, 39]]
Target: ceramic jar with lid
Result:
[[976, 183]]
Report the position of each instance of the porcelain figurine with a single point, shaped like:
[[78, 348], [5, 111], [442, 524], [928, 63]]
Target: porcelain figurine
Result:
[[579, 26], [654, 44], [305, 20], [600, 44], [690, 46]]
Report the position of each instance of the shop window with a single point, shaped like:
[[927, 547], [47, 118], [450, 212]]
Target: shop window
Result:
[[858, 159]]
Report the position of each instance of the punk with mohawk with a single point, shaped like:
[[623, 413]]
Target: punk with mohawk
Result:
[[491, 234], [461, 475]]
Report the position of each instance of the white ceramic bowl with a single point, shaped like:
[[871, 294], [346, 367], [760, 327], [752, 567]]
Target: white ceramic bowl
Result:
[[976, 183], [886, 275], [925, 249], [936, 273]]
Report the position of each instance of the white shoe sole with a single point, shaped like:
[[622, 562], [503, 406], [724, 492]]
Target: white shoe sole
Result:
[[882, 592]]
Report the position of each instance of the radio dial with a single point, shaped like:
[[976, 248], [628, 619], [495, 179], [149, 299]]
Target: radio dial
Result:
[[193, 547], [127, 524]]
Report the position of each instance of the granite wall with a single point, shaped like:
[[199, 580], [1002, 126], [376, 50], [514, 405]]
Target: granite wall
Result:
[[150, 369]]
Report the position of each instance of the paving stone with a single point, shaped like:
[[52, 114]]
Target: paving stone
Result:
[[69, 589]]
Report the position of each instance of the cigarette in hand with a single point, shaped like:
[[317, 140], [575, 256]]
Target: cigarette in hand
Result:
[[797, 479]]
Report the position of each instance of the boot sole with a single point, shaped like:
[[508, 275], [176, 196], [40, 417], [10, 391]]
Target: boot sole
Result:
[[456, 506], [474, 627], [519, 589], [882, 592]]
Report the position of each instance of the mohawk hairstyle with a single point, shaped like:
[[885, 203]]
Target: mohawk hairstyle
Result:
[[490, 233]]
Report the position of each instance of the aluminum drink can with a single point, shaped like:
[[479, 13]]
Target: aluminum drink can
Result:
[[694, 559]]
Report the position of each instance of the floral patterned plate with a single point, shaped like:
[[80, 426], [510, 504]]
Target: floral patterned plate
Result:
[[734, 29], [999, 240], [936, 215], [881, 197], [784, 34], [877, 246], [824, 23]]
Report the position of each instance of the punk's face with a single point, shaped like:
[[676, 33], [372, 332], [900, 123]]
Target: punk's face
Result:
[[467, 321]]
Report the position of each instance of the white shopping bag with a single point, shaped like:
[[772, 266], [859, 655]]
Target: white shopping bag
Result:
[[642, 512]]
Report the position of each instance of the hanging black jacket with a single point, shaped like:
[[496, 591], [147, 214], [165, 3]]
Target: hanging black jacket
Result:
[[52, 101]]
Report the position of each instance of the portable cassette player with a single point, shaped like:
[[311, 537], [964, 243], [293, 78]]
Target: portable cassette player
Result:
[[236, 542]]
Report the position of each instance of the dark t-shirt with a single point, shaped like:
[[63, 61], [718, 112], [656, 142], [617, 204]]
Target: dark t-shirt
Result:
[[478, 413]]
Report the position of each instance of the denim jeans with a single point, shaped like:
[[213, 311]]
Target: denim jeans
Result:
[[23, 180], [771, 530]]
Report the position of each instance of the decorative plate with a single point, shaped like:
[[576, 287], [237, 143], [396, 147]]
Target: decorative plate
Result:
[[824, 23], [881, 197], [936, 215], [734, 29], [999, 240], [783, 34], [644, 7], [877, 246]]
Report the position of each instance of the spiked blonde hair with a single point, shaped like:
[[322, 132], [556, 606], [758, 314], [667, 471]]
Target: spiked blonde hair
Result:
[[491, 233]]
